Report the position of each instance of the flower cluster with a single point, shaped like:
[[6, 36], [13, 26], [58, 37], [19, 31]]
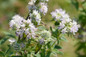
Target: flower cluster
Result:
[[65, 23], [33, 37], [45, 37], [36, 7], [23, 26], [35, 15], [26, 28], [43, 8]]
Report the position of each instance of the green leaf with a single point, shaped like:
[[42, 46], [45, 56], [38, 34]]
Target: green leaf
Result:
[[28, 55], [16, 56], [51, 28], [37, 1], [56, 51], [84, 5], [38, 47], [56, 23], [6, 33], [60, 52], [2, 53], [75, 3], [38, 55], [42, 52], [48, 54], [3, 40], [41, 28], [9, 52], [55, 33], [9, 34], [58, 47], [63, 39]]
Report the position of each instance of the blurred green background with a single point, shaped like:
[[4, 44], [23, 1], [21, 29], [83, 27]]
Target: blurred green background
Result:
[[9, 8]]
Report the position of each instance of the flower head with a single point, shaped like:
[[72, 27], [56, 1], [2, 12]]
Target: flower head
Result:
[[16, 21], [43, 8], [58, 14], [65, 23], [35, 15], [32, 2], [11, 41]]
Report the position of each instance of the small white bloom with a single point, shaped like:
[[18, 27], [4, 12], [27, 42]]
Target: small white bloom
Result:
[[12, 22], [16, 21], [58, 14], [22, 25], [27, 31], [65, 20], [19, 32], [36, 16], [45, 36], [32, 2], [62, 25], [64, 30], [11, 41], [43, 8], [74, 27]]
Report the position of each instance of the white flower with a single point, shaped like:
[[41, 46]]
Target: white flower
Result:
[[12, 23], [22, 25], [69, 27], [27, 31], [32, 2], [36, 16], [45, 36], [54, 15], [30, 29], [16, 21], [65, 20], [11, 41], [74, 27], [65, 23], [43, 8], [19, 33], [62, 25], [58, 14], [64, 30], [28, 21]]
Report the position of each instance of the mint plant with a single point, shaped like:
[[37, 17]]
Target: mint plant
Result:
[[32, 38]]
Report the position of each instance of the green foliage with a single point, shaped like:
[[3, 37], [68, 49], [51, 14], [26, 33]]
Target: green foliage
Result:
[[58, 47], [41, 28], [2, 53], [81, 6], [3, 40], [63, 39], [76, 4]]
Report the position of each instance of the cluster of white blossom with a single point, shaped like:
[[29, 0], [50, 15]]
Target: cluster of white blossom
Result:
[[65, 23], [58, 14], [45, 37], [16, 21], [36, 7], [35, 15], [23, 26], [43, 8]]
